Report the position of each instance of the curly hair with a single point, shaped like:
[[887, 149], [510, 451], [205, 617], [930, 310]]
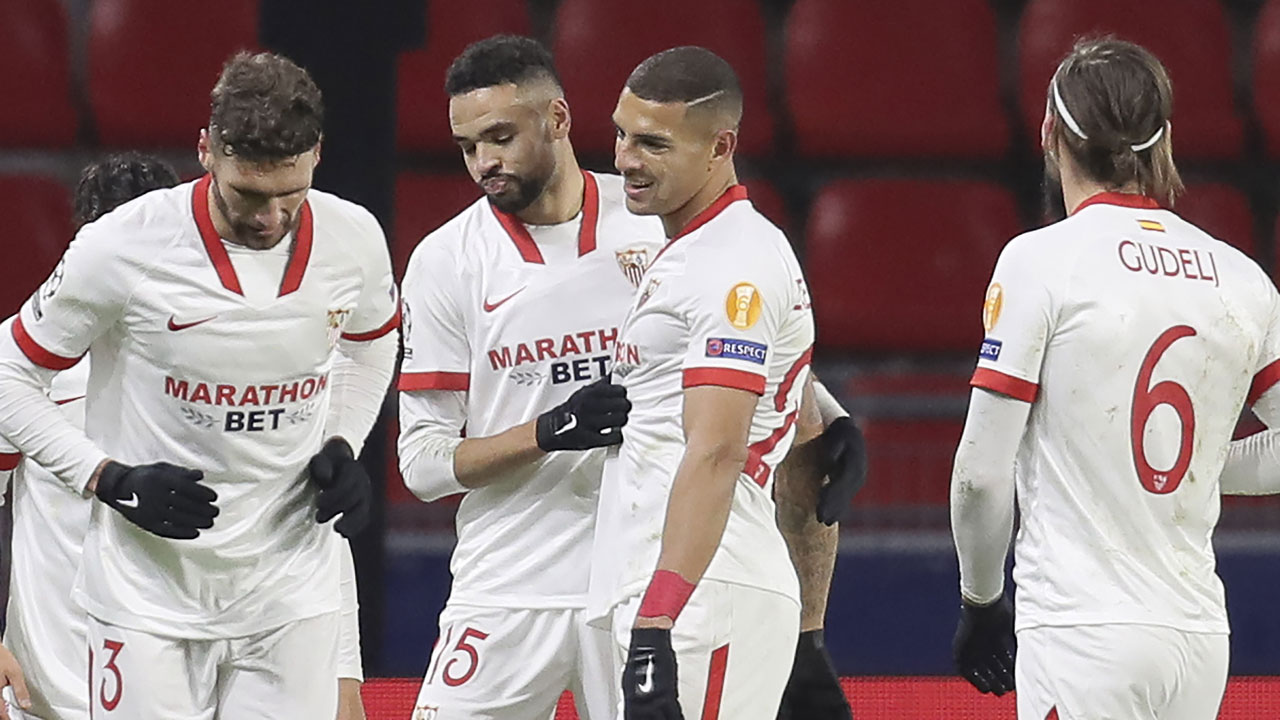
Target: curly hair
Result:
[[115, 180], [499, 60], [265, 108]]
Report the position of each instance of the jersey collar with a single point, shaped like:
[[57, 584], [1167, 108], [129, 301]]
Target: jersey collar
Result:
[[519, 233], [299, 249], [727, 198], [1129, 200]]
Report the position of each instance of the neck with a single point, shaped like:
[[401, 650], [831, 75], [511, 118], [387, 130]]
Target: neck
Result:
[[1076, 188], [223, 227], [715, 186], [561, 201]]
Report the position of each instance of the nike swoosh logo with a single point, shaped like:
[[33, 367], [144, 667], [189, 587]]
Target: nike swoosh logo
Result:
[[175, 326], [129, 502], [646, 686], [573, 423], [490, 307]]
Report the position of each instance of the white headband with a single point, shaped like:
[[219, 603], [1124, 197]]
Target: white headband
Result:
[[1075, 127]]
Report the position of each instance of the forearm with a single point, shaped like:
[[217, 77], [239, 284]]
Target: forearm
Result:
[[38, 429], [350, 665], [698, 510], [360, 377], [1253, 465], [481, 461]]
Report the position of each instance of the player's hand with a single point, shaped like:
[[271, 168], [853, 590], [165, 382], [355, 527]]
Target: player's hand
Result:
[[985, 647], [344, 487], [649, 677], [11, 676], [160, 498], [592, 417], [813, 691], [844, 461]]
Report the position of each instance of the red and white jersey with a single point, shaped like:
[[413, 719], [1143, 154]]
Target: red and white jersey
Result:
[[1137, 338], [212, 356], [724, 303], [519, 317]]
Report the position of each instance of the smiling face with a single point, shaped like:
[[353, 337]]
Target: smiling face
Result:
[[506, 134], [261, 202], [665, 156]]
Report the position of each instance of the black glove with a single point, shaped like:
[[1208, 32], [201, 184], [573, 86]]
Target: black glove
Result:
[[985, 646], [344, 487], [592, 417], [813, 691], [160, 498], [844, 457], [649, 678]]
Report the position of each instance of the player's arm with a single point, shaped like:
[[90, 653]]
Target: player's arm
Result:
[[1253, 463], [350, 667], [11, 675]]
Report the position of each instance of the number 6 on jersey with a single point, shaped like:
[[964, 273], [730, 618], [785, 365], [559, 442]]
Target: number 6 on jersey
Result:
[[1145, 400]]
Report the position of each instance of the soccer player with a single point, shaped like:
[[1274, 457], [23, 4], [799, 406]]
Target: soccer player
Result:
[[1121, 344], [511, 316], [242, 336], [714, 354], [43, 626]]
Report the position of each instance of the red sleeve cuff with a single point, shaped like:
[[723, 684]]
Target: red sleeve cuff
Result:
[[434, 381], [996, 381], [387, 327], [724, 377], [9, 461], [1263, 381], [37, 354]]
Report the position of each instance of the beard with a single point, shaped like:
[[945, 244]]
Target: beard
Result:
[[1052, 206], [524, 191]]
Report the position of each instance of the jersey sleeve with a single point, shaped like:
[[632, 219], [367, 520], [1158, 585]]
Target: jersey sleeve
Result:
[[437, 355], [734, 318], [377, 311], [85, 295], [1263, 396], [1018, 317]]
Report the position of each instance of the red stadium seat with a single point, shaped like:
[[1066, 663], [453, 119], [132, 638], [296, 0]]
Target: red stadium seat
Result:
[[1191, 38], [36, 84], [901, 265], [908, 461], [424, 203], [1222, 211], [770, 204], [422, 106], [911, 78], [37, 228], [152, 64], [598, 44], [1266, 74]]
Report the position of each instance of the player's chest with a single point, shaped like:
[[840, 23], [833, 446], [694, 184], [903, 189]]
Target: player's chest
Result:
[[655, 332]]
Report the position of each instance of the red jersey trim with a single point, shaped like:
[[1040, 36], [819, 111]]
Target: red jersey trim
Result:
[[434, 381], [715, 683], [299, 253], [386, 327], [996, 381], [9, 461], [730, 196], [525, 243], [755, 467], [1128, 200], [37, 354], [724, 377], [1263, 381]]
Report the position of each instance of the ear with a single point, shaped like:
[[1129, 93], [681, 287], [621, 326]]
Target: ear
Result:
[[724, 146], [316, 149], [1046, 129], [204, 150], [560, 118]]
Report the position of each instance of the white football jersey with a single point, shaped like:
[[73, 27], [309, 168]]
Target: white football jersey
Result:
[[724, 303], [1137, 338], [520, 317], [212, 356]]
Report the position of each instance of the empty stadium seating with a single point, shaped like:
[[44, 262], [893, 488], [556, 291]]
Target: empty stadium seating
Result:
[[902, 265], [422, 106], [35, 87], [598, 44], [1266, 74], [1191, 38], [424, 203], [1222, 211], [153, 62], [911, 78], [37, 228]]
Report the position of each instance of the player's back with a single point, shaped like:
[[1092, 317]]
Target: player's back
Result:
[[1143, 335]]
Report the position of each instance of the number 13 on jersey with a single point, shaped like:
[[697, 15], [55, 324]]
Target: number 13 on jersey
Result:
[[1146, 398]]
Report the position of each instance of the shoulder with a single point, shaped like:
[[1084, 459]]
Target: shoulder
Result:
[[623, 228], [443, 252], [741, 240], [137, 233], [351, 222]]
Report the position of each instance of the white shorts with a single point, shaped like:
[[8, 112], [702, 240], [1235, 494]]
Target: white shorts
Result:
[[1136, 672], [283, 674], [512, 664], [734, 647]]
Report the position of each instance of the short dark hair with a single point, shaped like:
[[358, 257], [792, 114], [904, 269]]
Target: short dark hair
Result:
[[687, 74], [1120, 96], [115, 180], [265, 108], [499, 60]]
